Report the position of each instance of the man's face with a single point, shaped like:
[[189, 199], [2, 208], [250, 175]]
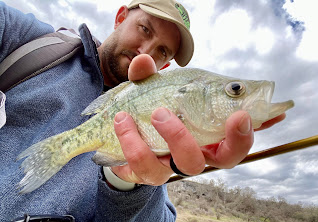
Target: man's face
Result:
[[138, 33]]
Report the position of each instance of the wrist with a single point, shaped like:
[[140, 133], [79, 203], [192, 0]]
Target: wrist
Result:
[[115, 182]]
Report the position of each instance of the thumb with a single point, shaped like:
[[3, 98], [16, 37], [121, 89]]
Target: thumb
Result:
[[141, 67]]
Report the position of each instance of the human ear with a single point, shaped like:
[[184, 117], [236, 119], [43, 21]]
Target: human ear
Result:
[[121, 15]]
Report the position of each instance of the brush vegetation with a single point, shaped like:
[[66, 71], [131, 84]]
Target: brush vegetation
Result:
[[212, 201]]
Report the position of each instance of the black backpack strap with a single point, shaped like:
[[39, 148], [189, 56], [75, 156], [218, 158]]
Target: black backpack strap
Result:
[[36, 57]]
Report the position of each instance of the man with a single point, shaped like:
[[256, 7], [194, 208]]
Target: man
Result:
[[145, 39]]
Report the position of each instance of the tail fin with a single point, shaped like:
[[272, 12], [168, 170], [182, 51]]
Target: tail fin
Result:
[[44, 159]]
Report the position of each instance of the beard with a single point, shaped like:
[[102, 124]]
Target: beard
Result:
[[120, 73]]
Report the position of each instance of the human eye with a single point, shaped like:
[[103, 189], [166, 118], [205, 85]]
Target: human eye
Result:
[[163, 52], [145, 29]]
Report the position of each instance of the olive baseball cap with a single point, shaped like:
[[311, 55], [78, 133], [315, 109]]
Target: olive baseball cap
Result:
[[174, 12]]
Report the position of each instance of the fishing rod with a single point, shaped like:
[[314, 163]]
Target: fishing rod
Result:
[[278, 150]]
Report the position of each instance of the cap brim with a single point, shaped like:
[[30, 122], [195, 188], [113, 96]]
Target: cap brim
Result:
[[186, 49]]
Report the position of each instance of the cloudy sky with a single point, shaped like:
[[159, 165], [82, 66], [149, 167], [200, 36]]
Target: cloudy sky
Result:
[[260, 39]]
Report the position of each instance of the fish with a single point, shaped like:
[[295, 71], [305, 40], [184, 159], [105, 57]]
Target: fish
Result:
[[202, 100]]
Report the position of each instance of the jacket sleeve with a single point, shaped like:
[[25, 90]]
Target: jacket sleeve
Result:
[[17, 28], [145, 203]]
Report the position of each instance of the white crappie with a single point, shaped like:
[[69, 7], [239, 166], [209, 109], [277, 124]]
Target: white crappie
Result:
[[203, 101]]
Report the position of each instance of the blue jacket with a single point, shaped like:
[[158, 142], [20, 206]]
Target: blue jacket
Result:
[[51, 103]]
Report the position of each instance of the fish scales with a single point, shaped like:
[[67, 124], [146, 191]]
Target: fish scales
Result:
[[201, 99]]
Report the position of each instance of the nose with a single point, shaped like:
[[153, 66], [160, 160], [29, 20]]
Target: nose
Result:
[[150, 48], [146, 47]]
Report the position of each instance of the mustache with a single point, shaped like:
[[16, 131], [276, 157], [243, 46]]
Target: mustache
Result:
[[129, 54]]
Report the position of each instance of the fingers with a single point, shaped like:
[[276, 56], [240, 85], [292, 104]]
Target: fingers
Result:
[[186, 153], [272, 122], [239, 138], [143, 165], [141, 67]]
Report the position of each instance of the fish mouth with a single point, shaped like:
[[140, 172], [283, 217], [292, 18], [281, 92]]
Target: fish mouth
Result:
[[276, 109], [261, 109]]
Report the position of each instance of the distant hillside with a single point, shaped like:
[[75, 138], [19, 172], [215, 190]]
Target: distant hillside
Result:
[[214, 202]]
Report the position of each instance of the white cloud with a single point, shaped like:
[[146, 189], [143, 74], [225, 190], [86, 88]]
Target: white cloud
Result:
[[231, 30], [106, 6], [308, 92], [63, 3], [306, 11], [261, 168], [308, 167], [264, 40], [305, 49], [217, 35], [200, 16]]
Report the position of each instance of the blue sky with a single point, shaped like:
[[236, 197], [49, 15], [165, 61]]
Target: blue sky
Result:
[[261, 39]]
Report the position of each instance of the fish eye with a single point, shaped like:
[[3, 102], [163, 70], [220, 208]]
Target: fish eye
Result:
[[235, 89]]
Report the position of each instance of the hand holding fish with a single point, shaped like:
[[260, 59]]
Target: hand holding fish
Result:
[[146, 168], [201, 108]]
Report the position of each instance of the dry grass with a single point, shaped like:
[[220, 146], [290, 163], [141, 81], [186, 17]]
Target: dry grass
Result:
[[185, 215]]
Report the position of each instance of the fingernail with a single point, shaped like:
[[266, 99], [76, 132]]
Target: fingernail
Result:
[[161, 115], [245, 125], [120, 117]]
